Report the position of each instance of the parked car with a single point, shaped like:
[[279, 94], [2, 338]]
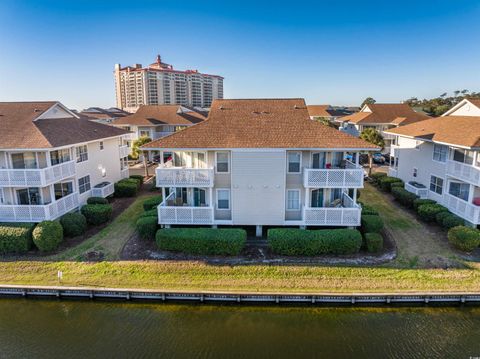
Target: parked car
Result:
[[378, 158]]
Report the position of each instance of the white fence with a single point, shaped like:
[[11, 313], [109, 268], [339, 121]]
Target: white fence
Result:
[[350, 177], [104, 191], [464, 172], [27, 213], [183, 214], [420, 192], [36, 177], [462, 208], [184, 177], [325, 216]]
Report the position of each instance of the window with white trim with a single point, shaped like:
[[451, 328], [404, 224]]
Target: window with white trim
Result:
[[223, 199], [294, 162], [440, 153], [84, 184], [100, 144], [82, 153], [222, 162], [436, 184], [293, 199]]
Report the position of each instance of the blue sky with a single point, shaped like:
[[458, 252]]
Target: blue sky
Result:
[[336, 52]]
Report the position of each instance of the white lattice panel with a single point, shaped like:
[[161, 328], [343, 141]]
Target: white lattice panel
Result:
[[332, 216], [464, 172], [184, 177], [333, 178]]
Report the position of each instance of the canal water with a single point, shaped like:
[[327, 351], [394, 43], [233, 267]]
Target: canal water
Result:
[[76, 329]]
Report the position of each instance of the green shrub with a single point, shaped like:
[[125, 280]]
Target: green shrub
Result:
[[126, 188], [74, 224], [150, 213], [15, 237], [371, 224], [135, 180], [374, 242], [464, 238], [300, 242], [137, 177], [403, 196], [377, 176], [428, 212], [386, 182], [369, 210], [97, 213], [152, 203], [452, 220], [47, 235], [147, 227], [420, 201], [396, 184], [202, 240], [97, 200]]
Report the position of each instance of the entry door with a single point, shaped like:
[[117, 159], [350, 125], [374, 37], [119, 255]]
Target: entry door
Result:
[[318, 160]]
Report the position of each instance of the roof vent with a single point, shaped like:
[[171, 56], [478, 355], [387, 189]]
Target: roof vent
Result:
[[221, 107], [256, 112], [295, 107], [36, 110]]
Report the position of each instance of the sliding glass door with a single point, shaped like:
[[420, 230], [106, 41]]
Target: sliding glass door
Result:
[[316, 198]]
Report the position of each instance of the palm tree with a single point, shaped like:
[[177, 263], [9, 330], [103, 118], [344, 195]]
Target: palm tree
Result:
[[374, 137]]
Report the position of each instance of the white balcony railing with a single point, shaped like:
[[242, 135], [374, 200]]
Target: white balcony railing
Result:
[[349, 177], [168, 214], [462, 208], [125, 173], [103, 191], [36, 177], [420, 192], [348, 215], [467, 173], [124, 151], [27, 213], [392, 172], [184, 177]]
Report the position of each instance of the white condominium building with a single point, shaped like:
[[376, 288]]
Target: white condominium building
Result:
[[160, 84], [259, 162], [51, 160]]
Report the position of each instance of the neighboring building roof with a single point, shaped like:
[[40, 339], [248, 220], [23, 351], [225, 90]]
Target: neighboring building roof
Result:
[[466, 101], [385, 113], [328, 111], [101, 113], [455, 130], [260, 123], [22, 128], [152, 115]]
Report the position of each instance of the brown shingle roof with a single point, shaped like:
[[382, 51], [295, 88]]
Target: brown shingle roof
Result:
[[259, 123], [151, 115], [455, 130], [20, 129], [318, 110], [386, 113]]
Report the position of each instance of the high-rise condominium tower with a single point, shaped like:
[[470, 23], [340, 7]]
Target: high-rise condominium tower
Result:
[[160, 84]]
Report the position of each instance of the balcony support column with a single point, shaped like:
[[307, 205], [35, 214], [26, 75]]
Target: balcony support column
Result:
[[258, 231], [471, 190]]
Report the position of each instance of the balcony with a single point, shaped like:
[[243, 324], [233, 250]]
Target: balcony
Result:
[[36, 177], [103, 190], [38, 213], [184, 177], [124, 151], [349, 177], [125, 173], [416, 188], [347, 215], [169, 213], [467, 173], [462, 208]]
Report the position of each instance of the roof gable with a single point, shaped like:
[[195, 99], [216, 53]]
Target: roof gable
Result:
[[385, 113]]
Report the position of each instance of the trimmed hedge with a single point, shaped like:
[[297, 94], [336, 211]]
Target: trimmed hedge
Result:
[[97, 213], [464, 238], [135, 180], [449, 220], [152, 203], [374, 242], [396, 184], [15, 237], [301, 242], [428, 212], [147, 227], [74, 224], [403, 196], [386, 182], [126, 188], [137, 177], [47, 235], [150, 213], [371, 224], [421, 201], [369, 210], [97, 200], [377, 176], [202, 240]]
